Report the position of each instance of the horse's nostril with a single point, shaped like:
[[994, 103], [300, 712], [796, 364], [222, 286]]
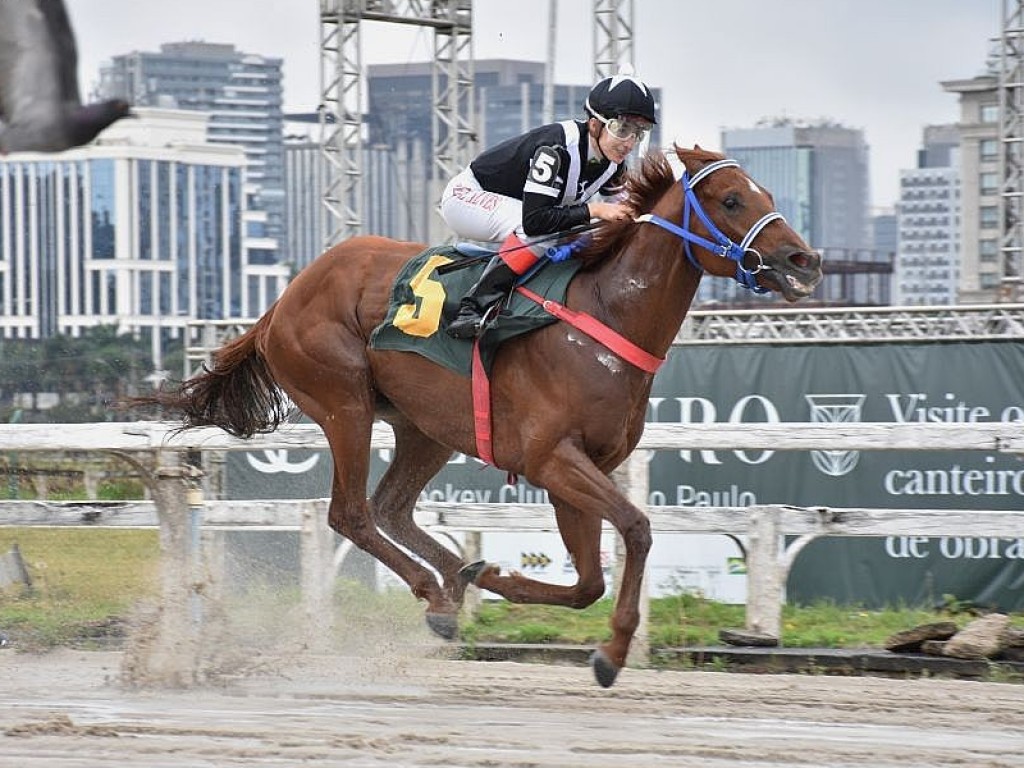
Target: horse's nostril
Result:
[[800, 260]]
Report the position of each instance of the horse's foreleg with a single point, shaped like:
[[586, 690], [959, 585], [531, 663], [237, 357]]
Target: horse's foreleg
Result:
[[568, 473], [415, 460], [581, 534]]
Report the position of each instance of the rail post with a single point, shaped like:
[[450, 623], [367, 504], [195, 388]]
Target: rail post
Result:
[[172, 657], [473, 551], [765, 572], [317, 574], [632, 478]]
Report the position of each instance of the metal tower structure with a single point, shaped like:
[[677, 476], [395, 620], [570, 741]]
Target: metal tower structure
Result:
[[341, 94], [613, 36], [1011, 156]]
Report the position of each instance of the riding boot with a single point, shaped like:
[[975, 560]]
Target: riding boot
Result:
[[495, 282]]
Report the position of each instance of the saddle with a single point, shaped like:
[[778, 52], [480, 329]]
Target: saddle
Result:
[[428, 289]]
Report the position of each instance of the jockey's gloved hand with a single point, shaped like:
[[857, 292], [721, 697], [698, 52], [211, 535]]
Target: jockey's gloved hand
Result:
[[557, 253]]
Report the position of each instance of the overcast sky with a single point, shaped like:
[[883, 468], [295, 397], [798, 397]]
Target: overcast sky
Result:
[[869, 64]]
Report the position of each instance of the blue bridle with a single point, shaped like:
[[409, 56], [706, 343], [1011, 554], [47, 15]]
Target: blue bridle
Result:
[[722, 245]]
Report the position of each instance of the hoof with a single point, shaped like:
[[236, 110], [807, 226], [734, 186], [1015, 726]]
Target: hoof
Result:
[[470, 573], [604, 670], [444, 625]]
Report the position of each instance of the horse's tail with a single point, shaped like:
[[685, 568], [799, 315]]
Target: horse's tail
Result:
[[238, 393]]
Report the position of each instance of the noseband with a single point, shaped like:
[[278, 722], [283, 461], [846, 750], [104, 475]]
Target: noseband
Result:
[[722, 245]]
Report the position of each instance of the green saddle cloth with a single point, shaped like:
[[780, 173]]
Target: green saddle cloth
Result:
[[422, 301]]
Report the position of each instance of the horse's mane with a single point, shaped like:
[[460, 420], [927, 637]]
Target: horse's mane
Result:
[[645, 186]]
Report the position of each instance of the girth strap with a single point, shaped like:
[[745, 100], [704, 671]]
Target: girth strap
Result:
[[588, 324]]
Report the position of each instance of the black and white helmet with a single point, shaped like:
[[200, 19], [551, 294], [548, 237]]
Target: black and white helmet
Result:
[[621, 95]]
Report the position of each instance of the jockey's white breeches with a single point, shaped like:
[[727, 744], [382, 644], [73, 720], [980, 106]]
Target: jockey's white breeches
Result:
[[476, 214]]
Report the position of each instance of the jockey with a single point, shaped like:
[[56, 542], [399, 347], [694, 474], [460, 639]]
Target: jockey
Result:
[[529, 187]]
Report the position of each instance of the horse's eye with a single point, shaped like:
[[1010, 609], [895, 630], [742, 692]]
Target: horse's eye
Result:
[[731, 203]]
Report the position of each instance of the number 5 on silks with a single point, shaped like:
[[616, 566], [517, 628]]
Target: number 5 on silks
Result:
[[422, 317], [543, 169]]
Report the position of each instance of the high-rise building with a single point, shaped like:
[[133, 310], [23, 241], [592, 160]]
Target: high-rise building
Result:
[[242, 94], [396, 196], [928, 214], [980, 259], [884, 238], [818, 174], [141, 230], [509, 101], [305, 180]]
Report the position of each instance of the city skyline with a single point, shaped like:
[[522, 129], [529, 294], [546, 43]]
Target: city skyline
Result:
[[872, 64]]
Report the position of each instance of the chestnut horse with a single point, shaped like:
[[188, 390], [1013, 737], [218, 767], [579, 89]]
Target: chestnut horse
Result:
[[566, 411]]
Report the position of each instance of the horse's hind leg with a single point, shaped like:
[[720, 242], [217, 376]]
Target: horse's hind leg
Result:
[[581, 534], [351, 515], [346, 417], [415, 460]]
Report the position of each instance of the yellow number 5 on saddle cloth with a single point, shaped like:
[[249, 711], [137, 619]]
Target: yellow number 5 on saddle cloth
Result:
[[421, 298]]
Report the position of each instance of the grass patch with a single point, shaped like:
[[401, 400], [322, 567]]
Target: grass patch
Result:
[[502, 622], [688, 620], [827, 625], [84, 580]]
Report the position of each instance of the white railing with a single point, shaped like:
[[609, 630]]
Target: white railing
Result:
[[793, 436], [182, 514]]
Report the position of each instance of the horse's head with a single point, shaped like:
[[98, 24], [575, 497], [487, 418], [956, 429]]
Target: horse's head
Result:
[[743, 237]]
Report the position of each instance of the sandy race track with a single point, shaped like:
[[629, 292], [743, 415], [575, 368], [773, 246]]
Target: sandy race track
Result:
[[67, 709]]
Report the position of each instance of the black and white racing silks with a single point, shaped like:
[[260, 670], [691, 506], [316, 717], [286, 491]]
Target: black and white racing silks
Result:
[[550, 169]]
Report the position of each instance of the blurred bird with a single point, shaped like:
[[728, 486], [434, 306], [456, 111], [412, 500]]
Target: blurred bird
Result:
[[40, 107]]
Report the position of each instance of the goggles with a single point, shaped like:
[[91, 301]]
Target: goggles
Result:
[[625, 128]]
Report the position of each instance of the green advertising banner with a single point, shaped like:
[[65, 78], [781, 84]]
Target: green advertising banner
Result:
[[939, 382]]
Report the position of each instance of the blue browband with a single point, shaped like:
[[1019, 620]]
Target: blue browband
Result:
[[722, 245]]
